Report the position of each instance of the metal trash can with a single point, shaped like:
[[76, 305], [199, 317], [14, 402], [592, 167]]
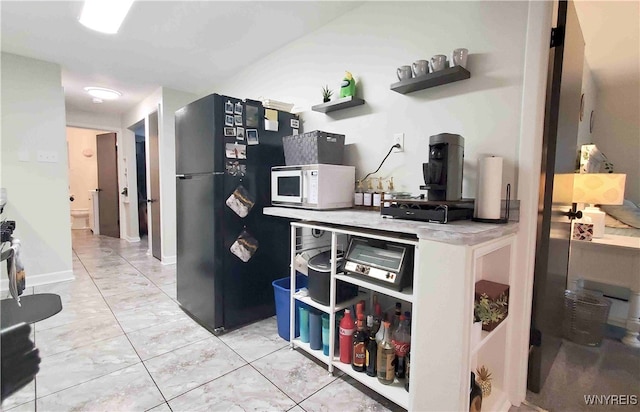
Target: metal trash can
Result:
[[585, 317]]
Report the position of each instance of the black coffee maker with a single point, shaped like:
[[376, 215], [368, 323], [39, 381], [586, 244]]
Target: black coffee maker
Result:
[[443, 173]]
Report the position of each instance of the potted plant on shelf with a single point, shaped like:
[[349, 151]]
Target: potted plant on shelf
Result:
[[491, 303], [490, 312], [483, 379], [326, 94]]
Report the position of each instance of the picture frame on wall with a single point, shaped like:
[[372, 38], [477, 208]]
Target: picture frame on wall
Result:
[[228, 107], [228, 120]]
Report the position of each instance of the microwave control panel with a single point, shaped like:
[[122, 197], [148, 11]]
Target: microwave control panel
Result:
[[311, 186], [375, 273]]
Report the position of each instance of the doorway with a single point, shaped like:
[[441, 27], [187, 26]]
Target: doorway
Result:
[[93, 180], [141, 177]]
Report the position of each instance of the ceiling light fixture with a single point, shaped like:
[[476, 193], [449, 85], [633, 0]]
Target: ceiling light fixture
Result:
[[102, 93], [104, 16]]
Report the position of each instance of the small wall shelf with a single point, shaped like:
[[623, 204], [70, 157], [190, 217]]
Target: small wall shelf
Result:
[[450, 75], [339, 104]]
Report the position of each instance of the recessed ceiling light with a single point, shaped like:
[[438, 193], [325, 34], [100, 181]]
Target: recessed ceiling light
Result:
[[102, 93], [104, 16]]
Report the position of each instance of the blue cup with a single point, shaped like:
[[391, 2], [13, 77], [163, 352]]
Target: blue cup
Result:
[[325, 334], [304, 324], [315, 330]]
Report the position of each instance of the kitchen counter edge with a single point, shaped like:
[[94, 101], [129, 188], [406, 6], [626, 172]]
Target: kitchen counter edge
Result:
[[461, 232]]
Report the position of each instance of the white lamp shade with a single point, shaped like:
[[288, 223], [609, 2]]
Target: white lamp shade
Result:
[[599, 188]]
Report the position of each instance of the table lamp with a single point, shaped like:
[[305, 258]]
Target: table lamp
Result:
[[598, 189]]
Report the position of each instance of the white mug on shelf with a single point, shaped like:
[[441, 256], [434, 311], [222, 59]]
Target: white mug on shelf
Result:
[[404, 72], [420, 67], [438, 62], [459, 57]]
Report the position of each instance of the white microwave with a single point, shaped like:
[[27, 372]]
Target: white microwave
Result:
[[317, 186]]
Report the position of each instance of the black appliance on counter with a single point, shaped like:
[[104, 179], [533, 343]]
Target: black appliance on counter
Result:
[[228, 251], [385, 263], [443, 181], [443, 173], [319, 282]]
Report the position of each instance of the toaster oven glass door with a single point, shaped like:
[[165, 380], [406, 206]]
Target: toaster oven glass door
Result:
[[388, 259]]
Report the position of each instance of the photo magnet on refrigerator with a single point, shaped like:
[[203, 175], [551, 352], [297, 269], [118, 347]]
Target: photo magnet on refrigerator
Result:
[[238, 108], [234, 168], [244, 247], [295, 123], [240, 201], [252, 137], [228, 107]]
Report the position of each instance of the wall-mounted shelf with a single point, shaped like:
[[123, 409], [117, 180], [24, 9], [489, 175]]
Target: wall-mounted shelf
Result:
[[450, 75], [339, 104]]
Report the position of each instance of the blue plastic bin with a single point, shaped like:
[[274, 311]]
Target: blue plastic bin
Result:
[[282, 294]]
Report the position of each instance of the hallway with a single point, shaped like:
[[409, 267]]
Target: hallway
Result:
[[121, 343]]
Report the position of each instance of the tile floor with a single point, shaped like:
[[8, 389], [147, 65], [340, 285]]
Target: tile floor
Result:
[[121, 343]]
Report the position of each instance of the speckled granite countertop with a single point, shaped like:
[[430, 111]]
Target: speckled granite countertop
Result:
[[461, 232]]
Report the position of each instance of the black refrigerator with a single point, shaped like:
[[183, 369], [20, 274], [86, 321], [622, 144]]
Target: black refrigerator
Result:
[[228, 251]]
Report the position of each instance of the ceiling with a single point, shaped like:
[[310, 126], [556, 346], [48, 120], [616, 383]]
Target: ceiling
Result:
[[184, 45], [194, 45], [611, 31]]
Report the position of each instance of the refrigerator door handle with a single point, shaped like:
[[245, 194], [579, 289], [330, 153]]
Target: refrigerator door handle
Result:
[[184, 176], [199, 174]]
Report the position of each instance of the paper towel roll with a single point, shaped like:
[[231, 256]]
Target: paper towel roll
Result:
[[488, 196]]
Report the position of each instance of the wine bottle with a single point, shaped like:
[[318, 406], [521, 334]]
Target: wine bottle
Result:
[[406, 382], [386, 356], [360, 338], [371, 354]]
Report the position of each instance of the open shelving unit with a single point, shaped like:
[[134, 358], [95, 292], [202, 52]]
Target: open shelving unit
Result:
[[449, 75], [338, 104], [441, 300]]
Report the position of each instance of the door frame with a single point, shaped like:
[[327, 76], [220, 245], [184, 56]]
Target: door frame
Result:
[[539, 22], [127, 232]]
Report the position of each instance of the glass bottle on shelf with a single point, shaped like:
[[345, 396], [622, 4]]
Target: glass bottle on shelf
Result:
[[386, 356], [406, 381], [396, 316], [371, 354], [377, 195], [388, 195], [347, 328], [358, 200], [401, 340], [360, 338], [368, 196], [377, 316]]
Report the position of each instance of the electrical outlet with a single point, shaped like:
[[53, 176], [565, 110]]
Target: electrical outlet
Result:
[[398, 138], [47, 157]]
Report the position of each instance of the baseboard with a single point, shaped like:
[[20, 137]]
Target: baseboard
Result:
[[132, 239], [40, 280], [169, 260]]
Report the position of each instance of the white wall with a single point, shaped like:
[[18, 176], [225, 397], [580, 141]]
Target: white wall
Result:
[[371, 42], [166, 101], [616, 132], [83, 170], [33, 119], [172, 100], [590, 93]]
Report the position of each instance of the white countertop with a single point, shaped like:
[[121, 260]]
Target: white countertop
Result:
[[461, 232]]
